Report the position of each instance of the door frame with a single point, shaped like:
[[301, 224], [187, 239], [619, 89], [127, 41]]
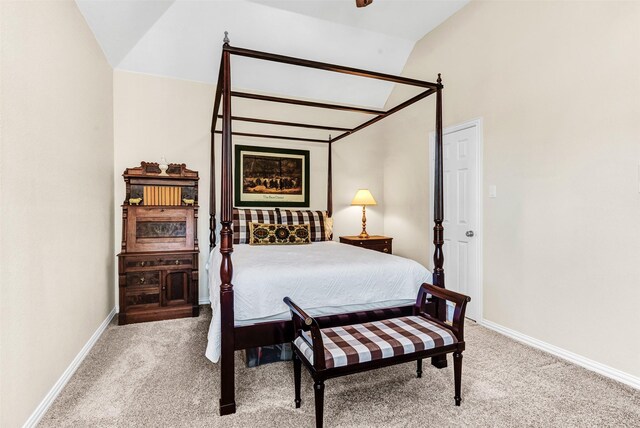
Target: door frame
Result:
[[476, 123]]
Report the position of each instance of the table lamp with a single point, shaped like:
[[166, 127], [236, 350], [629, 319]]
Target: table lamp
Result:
[[363, 197]]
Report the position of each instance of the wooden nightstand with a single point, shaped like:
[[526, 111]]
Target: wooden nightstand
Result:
[[373, 242]]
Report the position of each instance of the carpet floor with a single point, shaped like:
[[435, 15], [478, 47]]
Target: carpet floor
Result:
[[155, 374]]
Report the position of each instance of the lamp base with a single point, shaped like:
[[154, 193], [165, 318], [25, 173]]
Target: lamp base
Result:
[[364, 234]]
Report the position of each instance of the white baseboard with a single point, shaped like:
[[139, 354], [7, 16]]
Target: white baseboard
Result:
[[604, 370], [42, 408], [205, 301]]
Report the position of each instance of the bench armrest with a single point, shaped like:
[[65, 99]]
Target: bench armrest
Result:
[[298, 312], [302, 321], [460, 300]]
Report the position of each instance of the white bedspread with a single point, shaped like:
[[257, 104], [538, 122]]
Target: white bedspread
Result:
[[323, 277]]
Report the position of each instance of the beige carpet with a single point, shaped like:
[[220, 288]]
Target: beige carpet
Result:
[[155, 374]]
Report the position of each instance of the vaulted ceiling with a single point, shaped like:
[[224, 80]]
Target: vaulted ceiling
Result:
[[183, 39]]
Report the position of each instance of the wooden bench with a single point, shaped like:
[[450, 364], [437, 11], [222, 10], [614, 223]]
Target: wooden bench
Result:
[[342, 350]]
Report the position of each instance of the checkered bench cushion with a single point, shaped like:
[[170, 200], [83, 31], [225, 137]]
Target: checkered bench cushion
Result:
[[359, 343]]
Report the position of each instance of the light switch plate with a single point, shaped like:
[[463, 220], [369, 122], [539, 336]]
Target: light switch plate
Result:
[[493, 191]]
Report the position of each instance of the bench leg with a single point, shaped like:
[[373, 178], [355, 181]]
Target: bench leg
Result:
[[457, 374], [439, 361], [297, 374], [318, 388], [419, 369]]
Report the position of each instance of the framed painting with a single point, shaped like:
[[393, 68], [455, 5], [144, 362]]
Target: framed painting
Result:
[[270, 177]]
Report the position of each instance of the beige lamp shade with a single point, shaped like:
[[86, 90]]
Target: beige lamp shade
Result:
[[363, 197]]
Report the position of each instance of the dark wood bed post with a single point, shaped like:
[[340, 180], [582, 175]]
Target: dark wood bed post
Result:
[[227, 369], [438, 218], [438, 205], [212, 194], [212, 178], [329, 184]]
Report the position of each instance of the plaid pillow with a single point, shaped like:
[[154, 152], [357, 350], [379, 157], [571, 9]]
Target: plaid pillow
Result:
[[242, 218], [316, 220]]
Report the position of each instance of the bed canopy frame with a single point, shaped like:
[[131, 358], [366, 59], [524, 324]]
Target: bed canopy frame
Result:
[[269, 333]]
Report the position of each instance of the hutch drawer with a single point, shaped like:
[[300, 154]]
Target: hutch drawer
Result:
[[143, 279], [141, 263], [143, 299]]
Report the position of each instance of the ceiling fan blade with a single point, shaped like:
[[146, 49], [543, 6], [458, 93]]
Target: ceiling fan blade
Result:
[[363, 3]]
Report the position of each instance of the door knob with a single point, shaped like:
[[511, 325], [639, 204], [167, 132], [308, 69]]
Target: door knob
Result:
[[470, 233]]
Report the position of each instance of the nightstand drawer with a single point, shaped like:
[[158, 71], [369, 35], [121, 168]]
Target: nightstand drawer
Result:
[[375, 242], [143, 279], [383, 248]]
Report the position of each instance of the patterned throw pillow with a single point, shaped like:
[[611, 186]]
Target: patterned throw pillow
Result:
[[316, 220], [279, 234], [242, 218]]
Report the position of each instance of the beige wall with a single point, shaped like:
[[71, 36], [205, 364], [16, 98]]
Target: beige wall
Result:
[[558, 86], [357, 164], [159, 116], [155, 117], [56, 173]]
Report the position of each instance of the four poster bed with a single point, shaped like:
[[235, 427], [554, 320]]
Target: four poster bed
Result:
[[379, 285]]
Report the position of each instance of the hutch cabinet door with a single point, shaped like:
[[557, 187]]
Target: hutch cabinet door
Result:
[[176, 287]]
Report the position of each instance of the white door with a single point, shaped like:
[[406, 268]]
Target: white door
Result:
[[461, 213]]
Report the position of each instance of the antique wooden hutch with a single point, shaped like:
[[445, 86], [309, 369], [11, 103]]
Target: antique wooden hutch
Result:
[[158, 265]]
